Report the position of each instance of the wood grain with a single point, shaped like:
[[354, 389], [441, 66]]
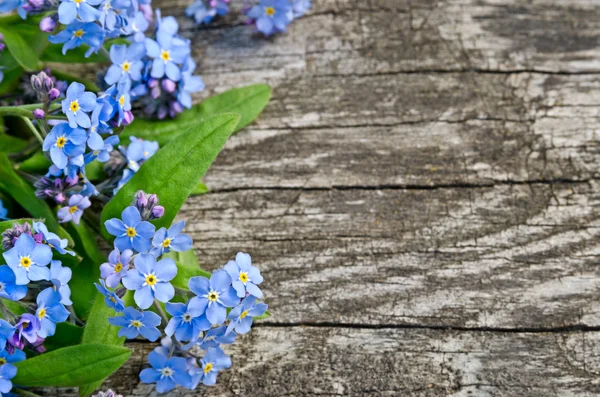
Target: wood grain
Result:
[[421, 195]]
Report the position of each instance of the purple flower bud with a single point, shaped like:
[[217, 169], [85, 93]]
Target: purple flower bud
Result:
[[158, 211], [48, 84], [60, 198], [176, 107], [127, 118], [47, 24], [162, 112], [33, 5], [53, 94], [141, 201], [36, 83], [168, 85], [155, 92], [39, 113]]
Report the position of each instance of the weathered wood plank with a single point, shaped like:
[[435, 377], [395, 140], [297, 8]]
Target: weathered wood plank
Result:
[[507, 256], [308, 361]]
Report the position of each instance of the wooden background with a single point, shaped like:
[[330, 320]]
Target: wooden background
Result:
[[421, 195]]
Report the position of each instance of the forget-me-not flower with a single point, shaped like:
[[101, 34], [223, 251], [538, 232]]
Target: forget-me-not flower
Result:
[[166, 372], [69, 10], [131, 232], [77, 203], [127, 63], [49, 312], [134, 323], [63, 142], [167, 53], [8, 286], [214, 295], [77, 33], [271, 15], [244, 276], [6, 332], [52, 239], [77, 104], [116, 267], [241, 316], [187, 321], [214, 361], [110, 298], [172, 239], [28, 260], [150, 280], [7, 372], [60, 277]]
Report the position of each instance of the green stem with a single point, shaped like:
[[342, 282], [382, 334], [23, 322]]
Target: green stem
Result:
[[26, 393], [24, 110], [161, 312], [33, 129]]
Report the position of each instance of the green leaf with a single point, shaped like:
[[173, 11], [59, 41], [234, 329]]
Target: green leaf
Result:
[[175, 170], [66, 335], [38, 163], [19, 48], [185, 272], [99, 331], [248, 101], [24, 194], [53, 53], [200, 189], [71, 366], [10, 144]]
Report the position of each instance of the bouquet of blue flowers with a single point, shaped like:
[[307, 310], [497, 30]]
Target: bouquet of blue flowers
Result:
[[91, 252]]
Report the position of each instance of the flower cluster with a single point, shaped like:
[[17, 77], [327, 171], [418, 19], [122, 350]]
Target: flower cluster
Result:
[[269, 16], [198, 319], [28, 250], [158, 71]]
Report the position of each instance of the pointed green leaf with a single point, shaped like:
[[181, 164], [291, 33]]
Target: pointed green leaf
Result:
[[175, 170], [66, 335], [71, 366], [19, 48], [248, 101]]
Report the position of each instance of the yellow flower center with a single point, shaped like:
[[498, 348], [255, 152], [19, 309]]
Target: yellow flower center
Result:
[[208, 368], [270, 11], [41, 313], [107, 6], [112, 299], [126, 66], [118, 267], [165, 55], [243, 277], [74, 106], [151, 279], [2, 361], [78, 1], [122, 100], [213, 296], [78, 33], [73, 209], [244, 314], [131, 232], [135, 323], [166, 243], [61, 141], [25, 262]]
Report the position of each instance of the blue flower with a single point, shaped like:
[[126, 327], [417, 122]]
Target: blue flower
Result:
[[271, 16], [7, 372], [123, 99], [14, 357], [8, 287], [109, 18], [51, 239], [60, 277], [241, 315], [216, 337], [189, 83], [110, 298], [150, 280], [78, 33], [70, 9], [27, 327], [166, 372], [300, 7], [214, 361], [103, 154], [214, 295], [131, 232], [127, 63], [64, 142], [28, 260], [137, 26], [3, 212], [203, 13], [77, 203], [244, 276], [187, 321], [138, 151], [77, 104], [134, 323], [49, 312], [166, 240], [116, 267], [167, 52], [6, 332], [9, 5]]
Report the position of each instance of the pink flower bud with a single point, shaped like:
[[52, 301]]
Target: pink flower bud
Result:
[[39, 113]]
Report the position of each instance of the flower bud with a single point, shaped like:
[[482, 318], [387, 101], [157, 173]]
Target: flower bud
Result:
[[48, 84], [39, 113], [168, 85], [47, 24], [127, 117], [53, 94], [158, 211], [36, 83]]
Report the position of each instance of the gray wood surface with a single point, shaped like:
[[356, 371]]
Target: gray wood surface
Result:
[[422, 196]]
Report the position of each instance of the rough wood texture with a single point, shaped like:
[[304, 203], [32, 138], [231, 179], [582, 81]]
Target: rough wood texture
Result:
[[422, 196]]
